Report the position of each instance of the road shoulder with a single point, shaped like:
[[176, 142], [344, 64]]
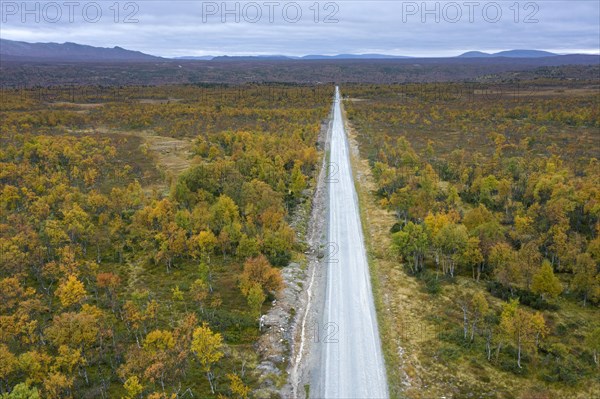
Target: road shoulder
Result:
[[383, 270]]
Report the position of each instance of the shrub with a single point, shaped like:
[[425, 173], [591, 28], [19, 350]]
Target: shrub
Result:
[[525, 297], [448, 353]]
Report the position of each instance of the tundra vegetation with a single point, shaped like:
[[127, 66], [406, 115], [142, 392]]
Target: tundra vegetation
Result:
[[143, 231], [494, 192]]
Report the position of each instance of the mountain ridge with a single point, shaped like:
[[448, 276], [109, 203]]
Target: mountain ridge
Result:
[[11, 50], [509, 54], [68, 51]]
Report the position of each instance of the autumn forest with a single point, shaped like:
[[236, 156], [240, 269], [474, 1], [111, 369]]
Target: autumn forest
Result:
[[494, 194], [145, 231]]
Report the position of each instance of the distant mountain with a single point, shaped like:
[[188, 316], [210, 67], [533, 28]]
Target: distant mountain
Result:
[[194, 57], [22, 51], [308, 57], [469, 54], [508, 54], [72, 52], [252, 57], [525, 54], [475, 54], [352, 57]]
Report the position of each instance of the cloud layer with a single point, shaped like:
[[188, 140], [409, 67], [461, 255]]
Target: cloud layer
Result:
[[178, 28]]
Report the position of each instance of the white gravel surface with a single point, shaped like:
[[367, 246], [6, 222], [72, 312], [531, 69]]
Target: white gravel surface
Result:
[[350, 357]]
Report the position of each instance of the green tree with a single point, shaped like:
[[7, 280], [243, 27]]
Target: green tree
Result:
[[77, 224], [504, 260], [277, 244], [474, 308], [411, 242], [592, 341], [81, 331], [22, 391], [199, 292], [8, 364], [56, 385], [586, 280], [472, 256], [452, 240], [255, 297], [522, 328], [237, 387], [172, 243], [71, 292], [545, 282], [133, 388], [207, 347], [203, 245], [223, 212], [479, 309], [529, 260], [248, 247], [297, 180], [159, 340]]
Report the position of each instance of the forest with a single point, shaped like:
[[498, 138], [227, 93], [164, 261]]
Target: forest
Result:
[[143, 231], [488, 277], [61, 75]]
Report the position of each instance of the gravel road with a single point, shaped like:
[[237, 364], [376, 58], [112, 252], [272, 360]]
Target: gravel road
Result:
[[351, 362]]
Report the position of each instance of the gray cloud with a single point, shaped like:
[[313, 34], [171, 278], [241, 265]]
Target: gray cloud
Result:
[[431, 28]]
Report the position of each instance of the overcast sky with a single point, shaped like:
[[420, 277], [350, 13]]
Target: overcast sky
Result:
[[179, 28]]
